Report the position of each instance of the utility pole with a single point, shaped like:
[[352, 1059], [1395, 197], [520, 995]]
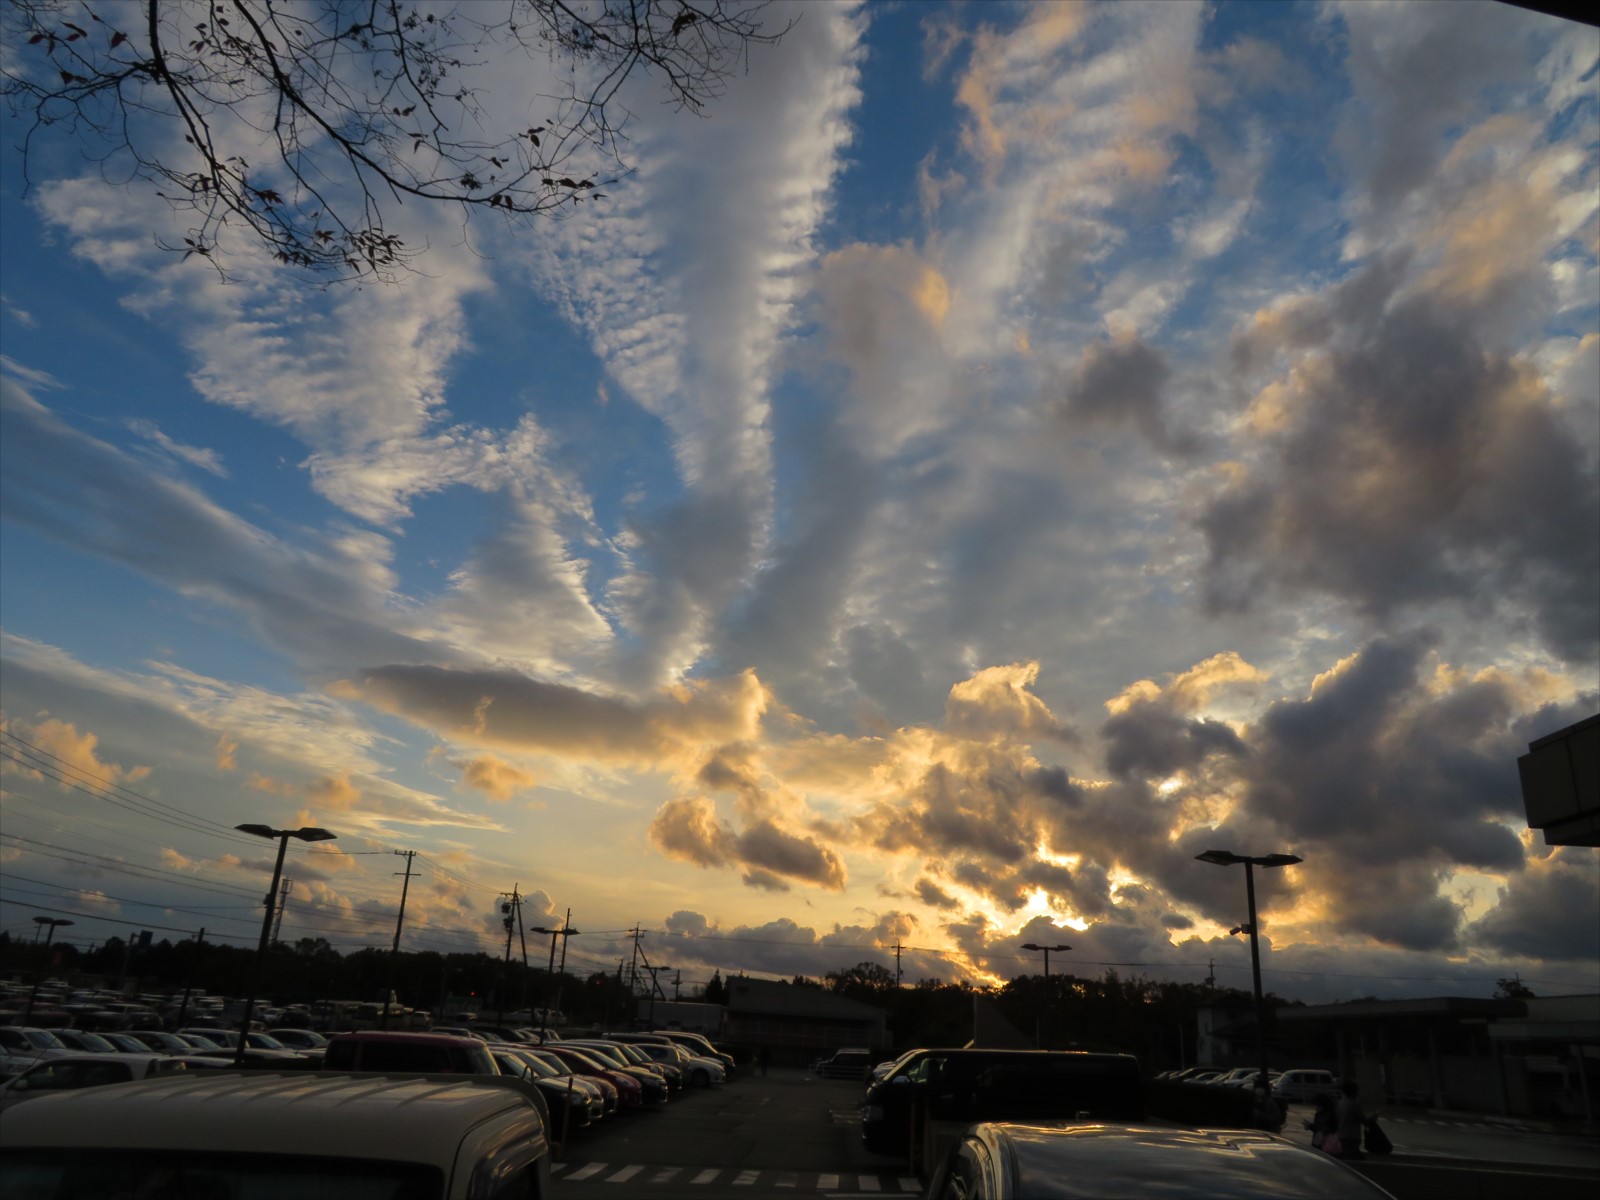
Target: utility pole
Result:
[[633, 967], [677, 983], [283, 900], [897, 964], [394, 951], [508, 906]]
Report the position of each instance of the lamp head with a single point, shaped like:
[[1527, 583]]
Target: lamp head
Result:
[[1221, 858], [266, 831], [1278, 860], [310, 833]]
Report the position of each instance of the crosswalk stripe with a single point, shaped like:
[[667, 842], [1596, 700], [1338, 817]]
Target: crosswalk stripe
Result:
[[746, 1178], [707, 1175], [586, 1172], [827, 1183], [662, 1176], [625, 1174], [908, 1184], [868, 1183], [787, 1179], [557, 1168]]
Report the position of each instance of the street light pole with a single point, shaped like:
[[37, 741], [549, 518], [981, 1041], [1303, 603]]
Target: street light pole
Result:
[[1225, 858], [1038, 1039], [306, 834], [563, 933], [43, 923]]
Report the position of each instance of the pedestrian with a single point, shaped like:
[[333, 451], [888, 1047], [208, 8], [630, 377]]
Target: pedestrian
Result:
[[764, 1057], [1351, 1119], [1324, 1120]]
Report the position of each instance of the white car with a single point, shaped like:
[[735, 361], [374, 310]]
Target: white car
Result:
[[22, 1046], [82, 1071], [269, 1133], [1303, 1086]]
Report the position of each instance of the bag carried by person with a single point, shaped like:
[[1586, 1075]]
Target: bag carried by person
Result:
[[1332, 1145], [1377, 1141]]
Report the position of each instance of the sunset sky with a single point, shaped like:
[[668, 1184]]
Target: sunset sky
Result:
[[997, 453]]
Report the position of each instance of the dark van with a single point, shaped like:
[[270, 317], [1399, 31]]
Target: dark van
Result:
[[436, 1053], [999, 1085]]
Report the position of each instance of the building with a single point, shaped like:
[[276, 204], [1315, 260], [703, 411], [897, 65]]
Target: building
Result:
[[798, 1023]]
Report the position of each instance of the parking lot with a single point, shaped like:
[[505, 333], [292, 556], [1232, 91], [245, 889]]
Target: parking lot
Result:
[[785, 1133]]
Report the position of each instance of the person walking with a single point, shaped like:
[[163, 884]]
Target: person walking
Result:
[[1351, 1119], [1324, 1120]]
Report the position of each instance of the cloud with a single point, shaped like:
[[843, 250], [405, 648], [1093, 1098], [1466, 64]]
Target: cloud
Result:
[[508, 709], [496, 778], [689, 829], [1540, 911], [1120, 384], [60, 752], [1402, 462]]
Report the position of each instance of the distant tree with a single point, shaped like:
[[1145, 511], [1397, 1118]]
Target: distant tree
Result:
[[867, 981], [301, 124], [1512, 989], [716, 990]]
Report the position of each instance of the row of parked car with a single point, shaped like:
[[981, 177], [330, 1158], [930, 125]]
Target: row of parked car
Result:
[[1301, 1085], [472, 1112]]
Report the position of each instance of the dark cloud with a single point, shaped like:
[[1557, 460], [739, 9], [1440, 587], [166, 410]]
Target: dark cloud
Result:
[[508, 708], [763, 845], [934, 896], [1122, 384], [1412, 465], [688, 828], [1547, 911], [1154, 741]]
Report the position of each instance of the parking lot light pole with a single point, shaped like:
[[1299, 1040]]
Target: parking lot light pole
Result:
[[308, 833], [44, 923], [1038, 1040], [564, 932], [1226, 858]]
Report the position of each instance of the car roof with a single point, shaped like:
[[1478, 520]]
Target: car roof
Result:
[[1073, 1161], [316, 1113]]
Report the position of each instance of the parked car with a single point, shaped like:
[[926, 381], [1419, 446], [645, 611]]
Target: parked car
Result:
[[610, 1098], [698, 1070], [1005, 1161], [299, 1039], [381, 1050], [23, 1045], [84, 1041], [630, 1090], [268, 1133], [632, 1056], [844, 1064], [1303, 1086], [654, 1083], [567, 1108], [698, 1043], [999, 1085], [82, 1071]]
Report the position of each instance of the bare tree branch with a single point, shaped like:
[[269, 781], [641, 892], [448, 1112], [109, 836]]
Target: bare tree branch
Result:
[[356, 107]]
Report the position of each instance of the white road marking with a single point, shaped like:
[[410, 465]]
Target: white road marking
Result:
[[908, 1184], [746, 1178], [625, 1174], [663, 1175], [586, 1172], [787, 1179], [827, 1183], [707, 1175], [868, 1183]]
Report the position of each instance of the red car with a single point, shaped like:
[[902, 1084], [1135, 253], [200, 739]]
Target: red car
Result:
[[630, 1093]]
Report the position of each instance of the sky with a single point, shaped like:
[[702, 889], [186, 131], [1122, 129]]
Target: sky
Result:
[[994, 454]]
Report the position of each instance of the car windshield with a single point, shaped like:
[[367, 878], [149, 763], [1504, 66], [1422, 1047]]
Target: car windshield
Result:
[[43, 1040], [263, 1041], [72, 1174], [538, 1066]]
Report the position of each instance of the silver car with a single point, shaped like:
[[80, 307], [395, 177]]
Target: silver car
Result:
[[1015, 1161]]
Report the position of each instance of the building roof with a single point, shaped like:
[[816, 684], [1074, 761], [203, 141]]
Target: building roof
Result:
[[775, 998]]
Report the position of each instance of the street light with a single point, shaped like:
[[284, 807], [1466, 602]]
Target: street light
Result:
[[308, 833], [49, 923], [1037, 1040], [1227, 858]]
